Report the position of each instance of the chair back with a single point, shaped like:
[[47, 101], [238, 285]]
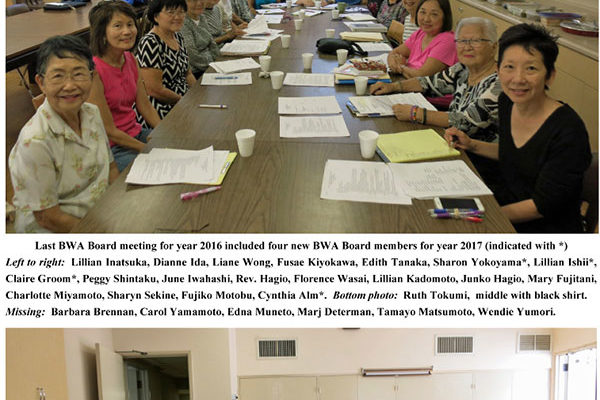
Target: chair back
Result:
[[590, 196], [16, 9]]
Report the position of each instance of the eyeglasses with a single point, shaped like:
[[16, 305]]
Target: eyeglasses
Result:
[[175, 13], [58, 78], [475, 43]]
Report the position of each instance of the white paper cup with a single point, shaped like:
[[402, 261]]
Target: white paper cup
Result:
[[285, 41], [329, 33], [368, 143], [265, 63], [317, 4], [307, 60], [301, 14], [335, 14], [288, 3], [342, 55], [245, 141], [360, 82], [277, 80], [298, 24]]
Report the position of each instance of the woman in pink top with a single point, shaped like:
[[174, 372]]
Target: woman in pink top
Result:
[[117, 86], [431, 49]]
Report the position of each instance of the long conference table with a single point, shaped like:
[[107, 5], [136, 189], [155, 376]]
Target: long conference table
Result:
[[278, 188], [26, 32]]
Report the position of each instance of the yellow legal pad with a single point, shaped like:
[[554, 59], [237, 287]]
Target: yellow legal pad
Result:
[[414, 146]]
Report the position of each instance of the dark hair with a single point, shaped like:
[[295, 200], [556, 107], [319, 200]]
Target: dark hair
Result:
[[530, 37], [156, 6], [63, 47], [100, 16], [446, 9]]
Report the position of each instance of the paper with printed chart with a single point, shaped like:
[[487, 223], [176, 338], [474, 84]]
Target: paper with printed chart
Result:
[[296, 127], [363, 181], [302, 79], [309, 105]]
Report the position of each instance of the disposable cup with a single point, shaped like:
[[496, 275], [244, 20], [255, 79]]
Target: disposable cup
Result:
[[360, 82], [277, 80], [298, 24], [245, 141], [288, 3], [329, 33], [342, 55], [341, 6], [301, 14], [307, 60], [285, 41], [335, 14], [265, 63], [317, 4], [368, 143]]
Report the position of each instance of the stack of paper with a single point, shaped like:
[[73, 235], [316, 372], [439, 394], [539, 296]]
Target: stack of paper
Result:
[[227, 67], [274, 19], [275, 5], [413, 146], [359, 17], [269, 36], [381, 106], [362, 36], [270, 11], [374, 46], [367, 26], [302, 79], [245, 47], [309, 105], [164, 166], [243, 78], [377, 182], [330, 126], [308, 13], [258, 26]]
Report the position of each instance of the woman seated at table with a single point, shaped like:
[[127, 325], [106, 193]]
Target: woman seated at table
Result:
[[473, 81], [241, 9], [213, 15], [162, 56], [117, 86], [228, 17], [543, 148], [431, 48], [202, 49], [61, 163], [391, 10]]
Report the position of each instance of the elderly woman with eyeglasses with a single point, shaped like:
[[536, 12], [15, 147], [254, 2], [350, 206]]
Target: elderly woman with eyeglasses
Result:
[[473, 82], [61, 163], [162, 55]]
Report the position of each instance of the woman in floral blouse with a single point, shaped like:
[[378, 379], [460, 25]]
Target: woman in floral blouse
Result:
[[61, 163]]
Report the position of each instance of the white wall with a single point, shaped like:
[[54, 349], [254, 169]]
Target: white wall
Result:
[[81, 361], [209, 374], [337, 351]]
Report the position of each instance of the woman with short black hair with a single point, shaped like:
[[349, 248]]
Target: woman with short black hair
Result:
[[543, 148], [118, 85], [162, 55]]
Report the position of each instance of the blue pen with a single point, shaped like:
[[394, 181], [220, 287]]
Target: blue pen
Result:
[[453, 210], [225, 167], [226, 77]]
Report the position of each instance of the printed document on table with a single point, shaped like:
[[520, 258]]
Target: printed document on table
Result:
[[245, 47], [163, 168], [438, 179], [375, 46], [308, 12], [294, 127], [227, 67], [257, 26], [271, 35], [243, 78], [364, 181], [219, 158], [270, 11], [309, 105], [302, 79], [382, 105], [359, 17], [274, 19]]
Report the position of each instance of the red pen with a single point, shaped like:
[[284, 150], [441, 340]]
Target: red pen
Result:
[[474, 219]]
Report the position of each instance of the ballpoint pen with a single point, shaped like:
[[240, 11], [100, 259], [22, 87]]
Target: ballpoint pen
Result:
[[226, 77], [193, 195], [219, 106]]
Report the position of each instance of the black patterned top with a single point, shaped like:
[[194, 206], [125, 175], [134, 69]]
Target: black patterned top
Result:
[[174, 64], [474, 109]]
